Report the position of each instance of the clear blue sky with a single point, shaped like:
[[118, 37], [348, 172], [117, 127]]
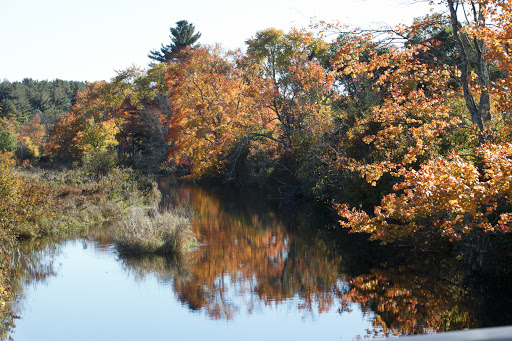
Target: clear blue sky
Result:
[[89, 39]]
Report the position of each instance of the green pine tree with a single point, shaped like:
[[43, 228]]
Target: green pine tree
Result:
[[182, 35]]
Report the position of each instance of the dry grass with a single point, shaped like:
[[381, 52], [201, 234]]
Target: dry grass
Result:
[[84, 199], [151, 231]]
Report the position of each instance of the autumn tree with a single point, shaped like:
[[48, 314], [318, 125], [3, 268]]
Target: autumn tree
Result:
[[142, 116], [215, 108], [256, 109], [109, 119], [427, 133], [472, 51], [447, 196], [479, 28], [31, 138], [435, 32], [34, 130], [281, 55], [63, 138]]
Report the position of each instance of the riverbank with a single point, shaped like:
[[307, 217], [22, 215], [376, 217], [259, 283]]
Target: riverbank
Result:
[[68, 203]]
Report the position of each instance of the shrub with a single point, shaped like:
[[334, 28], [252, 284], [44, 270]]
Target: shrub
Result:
[[99, 161], [27, 149], [23, 202], [5, 298]]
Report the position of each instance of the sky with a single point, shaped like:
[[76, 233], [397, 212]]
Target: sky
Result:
[[88, 40]]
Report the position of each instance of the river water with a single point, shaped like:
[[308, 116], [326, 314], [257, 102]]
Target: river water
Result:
[[262, 272]]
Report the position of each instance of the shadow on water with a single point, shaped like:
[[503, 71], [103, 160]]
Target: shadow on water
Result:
[[255, 254]]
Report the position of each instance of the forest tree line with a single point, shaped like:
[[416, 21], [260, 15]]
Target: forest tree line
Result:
[[21, 101]]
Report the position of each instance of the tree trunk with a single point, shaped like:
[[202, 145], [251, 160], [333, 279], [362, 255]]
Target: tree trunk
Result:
[[472, 54]]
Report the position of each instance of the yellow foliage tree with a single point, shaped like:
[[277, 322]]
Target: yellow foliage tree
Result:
[[99, 136]]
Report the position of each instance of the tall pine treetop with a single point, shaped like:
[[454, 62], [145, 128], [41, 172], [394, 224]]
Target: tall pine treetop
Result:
[[182, 35]]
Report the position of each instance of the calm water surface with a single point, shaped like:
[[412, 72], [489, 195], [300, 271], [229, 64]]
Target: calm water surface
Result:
[[97, 296], [260, 273]]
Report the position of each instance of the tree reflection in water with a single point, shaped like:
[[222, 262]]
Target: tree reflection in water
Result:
[[248, 259], [31, 263], [251, 257]]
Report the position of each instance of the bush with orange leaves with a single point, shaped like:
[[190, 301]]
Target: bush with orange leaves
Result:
[[23, 202], [448, 195]]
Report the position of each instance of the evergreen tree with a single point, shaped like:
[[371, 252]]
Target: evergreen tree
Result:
[[182, 35], [7, 141]]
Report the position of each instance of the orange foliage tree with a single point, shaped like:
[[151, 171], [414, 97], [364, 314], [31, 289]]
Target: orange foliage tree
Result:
[[415, 117], [259, 106], [446, 195], [216, 109], [112, 113], [63, 138], [429, 129]]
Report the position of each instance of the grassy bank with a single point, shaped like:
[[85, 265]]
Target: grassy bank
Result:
[[126, 198], [83, 199]]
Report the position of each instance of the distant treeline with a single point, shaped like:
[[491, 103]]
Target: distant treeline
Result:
[[50, 99]]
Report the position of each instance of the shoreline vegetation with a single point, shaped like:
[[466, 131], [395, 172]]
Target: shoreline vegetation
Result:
[[123, 197]]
